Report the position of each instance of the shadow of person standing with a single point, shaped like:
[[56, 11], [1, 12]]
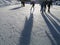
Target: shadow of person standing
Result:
[[26, 32]]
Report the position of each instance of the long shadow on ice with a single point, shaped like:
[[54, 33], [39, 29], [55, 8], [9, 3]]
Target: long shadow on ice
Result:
[[26, 32], [54, 17], [55, 39], [54, 23]]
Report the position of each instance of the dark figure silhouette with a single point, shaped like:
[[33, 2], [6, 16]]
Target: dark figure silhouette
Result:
[[49, 3], [23, 3], [33, 4], [43, 6]]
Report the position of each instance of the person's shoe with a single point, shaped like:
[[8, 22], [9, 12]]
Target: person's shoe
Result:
[[23, 5], [49, 11]]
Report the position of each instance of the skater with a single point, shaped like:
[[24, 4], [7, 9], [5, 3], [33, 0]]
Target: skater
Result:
[[43, 6], [49, 5], [22, 3], [33, 4]]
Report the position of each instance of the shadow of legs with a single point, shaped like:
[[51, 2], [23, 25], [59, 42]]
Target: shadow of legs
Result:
[[54, 34], [26, 32], [54, 23], [54, 17]]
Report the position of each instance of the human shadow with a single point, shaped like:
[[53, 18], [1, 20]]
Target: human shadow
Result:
[[26, 32], [52, 30], [16, 8], [51, 39], [54, 17], [53, 22]]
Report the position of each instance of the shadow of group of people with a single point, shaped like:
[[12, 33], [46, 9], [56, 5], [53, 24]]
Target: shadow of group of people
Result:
[[53, 27]]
